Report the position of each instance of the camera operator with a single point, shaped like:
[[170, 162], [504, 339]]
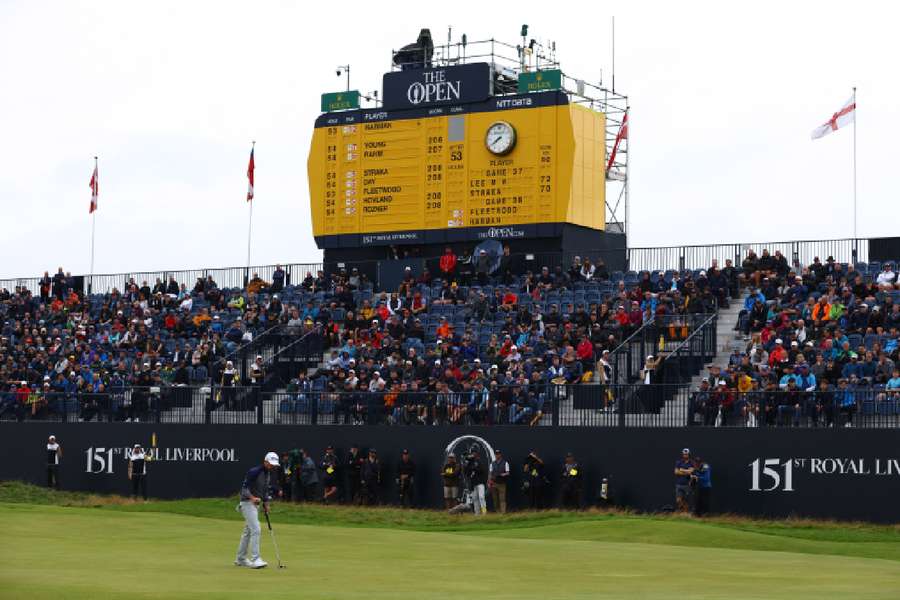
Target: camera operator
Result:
[[535, 480], [450, 473], [702, 477], [137, 471], [571, 483], [406, 476], [498, 478], [54, 454], [476, 476]]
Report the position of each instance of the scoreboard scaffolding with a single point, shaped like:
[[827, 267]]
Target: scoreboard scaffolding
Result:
[[455, 154]]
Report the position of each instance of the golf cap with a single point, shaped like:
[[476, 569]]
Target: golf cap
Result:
[[272, 459], [794, 343], [685, 450], [137, 446], [778, 341], [52, 437]]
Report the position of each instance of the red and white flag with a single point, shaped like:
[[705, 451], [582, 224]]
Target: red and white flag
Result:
[[250, 169], [845, 116], [95, 189], [623, 134]]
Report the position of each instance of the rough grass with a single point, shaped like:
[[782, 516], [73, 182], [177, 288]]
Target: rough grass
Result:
[[434, 520]]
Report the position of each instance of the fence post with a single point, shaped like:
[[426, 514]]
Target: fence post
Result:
[[620, 404], [259, 404], [208, 405], [554, 403]]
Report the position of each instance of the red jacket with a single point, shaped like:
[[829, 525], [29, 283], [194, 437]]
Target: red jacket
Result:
[[448, 263]]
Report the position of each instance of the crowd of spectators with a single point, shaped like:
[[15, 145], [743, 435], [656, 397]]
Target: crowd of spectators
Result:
[[61, 350], [478, 344], [821, 347]]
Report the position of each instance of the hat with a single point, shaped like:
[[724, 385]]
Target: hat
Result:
[[704, 380], [272, 459], [649, 357], [794, 343], [437, 362], [685, 450], [52, 437], [498, 451], [373, 451], [404, 451], [136, 446], [778, 341]]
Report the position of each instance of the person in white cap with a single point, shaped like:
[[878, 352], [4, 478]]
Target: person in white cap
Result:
[[256, 489], [137, 471], [54, 453]]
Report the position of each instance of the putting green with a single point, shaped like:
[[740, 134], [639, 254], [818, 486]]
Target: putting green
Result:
[[66, 552]]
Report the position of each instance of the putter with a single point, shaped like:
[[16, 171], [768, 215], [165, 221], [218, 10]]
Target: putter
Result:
[[274, 543]]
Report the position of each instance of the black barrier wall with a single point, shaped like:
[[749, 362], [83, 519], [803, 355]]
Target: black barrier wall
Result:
[[842, 474]]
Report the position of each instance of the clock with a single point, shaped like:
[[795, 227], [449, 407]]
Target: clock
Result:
[[500, 138]]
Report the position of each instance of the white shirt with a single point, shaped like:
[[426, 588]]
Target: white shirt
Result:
[[885, 277]]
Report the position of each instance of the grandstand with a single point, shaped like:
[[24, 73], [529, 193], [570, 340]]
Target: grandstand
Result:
[[542, 340]]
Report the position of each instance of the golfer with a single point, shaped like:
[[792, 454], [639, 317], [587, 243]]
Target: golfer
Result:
[[256, 489]]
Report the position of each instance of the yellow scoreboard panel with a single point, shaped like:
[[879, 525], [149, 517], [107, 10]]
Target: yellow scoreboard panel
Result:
[[498, 168]]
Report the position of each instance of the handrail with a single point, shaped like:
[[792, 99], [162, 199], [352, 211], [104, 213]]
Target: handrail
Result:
[[685, 341], [257, 338], [291, 345]]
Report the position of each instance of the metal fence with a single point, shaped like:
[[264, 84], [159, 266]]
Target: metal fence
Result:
[[798, 253], [580, 405]]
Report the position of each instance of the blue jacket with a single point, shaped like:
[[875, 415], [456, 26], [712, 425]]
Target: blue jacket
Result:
[[704, 475]]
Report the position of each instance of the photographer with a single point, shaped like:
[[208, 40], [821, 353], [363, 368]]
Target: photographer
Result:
[[498, 478], [571, 483], [137, 471], [354, 465], [406, 476], [535, 480], [329, 466], [450, 473], [370, 478], [476, 476], [54, 454]]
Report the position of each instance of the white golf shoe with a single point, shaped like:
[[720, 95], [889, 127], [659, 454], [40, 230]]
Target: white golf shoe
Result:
[[242, 562], [258, 564]]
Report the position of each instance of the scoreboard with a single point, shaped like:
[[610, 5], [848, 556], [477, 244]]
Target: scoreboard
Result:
[[501, 168]]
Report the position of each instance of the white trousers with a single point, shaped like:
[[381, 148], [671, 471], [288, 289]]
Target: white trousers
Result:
[[250, 536], [478, 503]]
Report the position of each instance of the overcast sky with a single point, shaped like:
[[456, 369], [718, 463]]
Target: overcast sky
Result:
[[169, 95]]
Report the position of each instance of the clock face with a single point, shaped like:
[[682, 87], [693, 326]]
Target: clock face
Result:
[[500, 138]]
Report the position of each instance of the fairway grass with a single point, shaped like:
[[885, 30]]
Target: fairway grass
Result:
[[102, 548]]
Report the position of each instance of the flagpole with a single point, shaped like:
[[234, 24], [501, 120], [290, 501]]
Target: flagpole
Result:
[[854, 165], [93, 229], [250, 224]]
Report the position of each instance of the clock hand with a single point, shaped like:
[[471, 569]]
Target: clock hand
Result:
[[497, 139]]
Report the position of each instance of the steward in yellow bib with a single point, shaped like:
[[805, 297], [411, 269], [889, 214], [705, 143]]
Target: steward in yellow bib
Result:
[[572, 478]]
